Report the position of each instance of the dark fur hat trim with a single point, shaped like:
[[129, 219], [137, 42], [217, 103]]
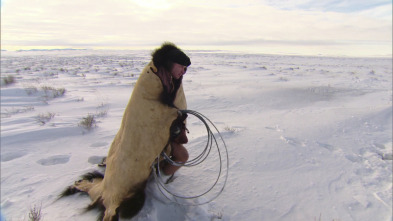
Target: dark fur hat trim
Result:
[[167, 54]]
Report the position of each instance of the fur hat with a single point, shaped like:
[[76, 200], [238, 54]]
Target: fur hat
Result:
[[168, 54]]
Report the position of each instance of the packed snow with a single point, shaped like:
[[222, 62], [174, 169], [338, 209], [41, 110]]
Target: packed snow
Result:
[[308, 138]]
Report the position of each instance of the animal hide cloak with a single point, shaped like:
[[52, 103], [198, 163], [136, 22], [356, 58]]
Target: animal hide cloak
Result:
[[143, 134]]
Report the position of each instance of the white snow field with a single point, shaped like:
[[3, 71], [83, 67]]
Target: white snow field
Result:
[[309, 138]]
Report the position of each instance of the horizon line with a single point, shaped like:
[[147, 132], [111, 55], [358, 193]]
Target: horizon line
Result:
[[191, 49]]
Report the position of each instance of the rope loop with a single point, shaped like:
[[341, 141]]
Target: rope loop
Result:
[[222, 170]]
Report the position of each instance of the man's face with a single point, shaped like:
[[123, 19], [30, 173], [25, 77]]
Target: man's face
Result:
[[178, 70]]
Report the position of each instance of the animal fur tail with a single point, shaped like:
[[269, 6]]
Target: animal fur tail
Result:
[[74, 189], [128, 208]]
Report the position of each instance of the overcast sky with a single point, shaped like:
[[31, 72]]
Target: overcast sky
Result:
[[326, 27]]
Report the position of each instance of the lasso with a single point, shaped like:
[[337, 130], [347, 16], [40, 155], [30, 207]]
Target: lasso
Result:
[[223, 169]]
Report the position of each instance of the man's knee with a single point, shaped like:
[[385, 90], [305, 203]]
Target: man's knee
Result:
[[180, 153], [184, 155]]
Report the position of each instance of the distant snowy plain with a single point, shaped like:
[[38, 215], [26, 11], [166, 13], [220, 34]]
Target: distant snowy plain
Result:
[[309, 138]]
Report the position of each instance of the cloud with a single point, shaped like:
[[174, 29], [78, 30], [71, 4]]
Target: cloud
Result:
[[131, 23], [153, 4], [344, 6]]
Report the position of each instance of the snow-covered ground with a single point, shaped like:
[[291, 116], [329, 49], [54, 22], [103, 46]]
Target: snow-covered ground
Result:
[[309, 138]]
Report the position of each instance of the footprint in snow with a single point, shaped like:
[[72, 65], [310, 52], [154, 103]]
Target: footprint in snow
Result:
[[327, 146], [54, 160], [11, 156]]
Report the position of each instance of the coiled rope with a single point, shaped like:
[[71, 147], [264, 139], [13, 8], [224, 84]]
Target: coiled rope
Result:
[[223, 169]]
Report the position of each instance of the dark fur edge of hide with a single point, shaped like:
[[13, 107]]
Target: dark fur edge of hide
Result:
[[132, 205], [128, 208], [71, 190], [92, 175], [100, 207]]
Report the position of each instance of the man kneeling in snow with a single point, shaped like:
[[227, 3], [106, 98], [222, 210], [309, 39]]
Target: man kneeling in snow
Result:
[[151, 123]]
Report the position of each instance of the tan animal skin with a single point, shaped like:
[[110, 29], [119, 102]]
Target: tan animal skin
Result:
[[143, 134]]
